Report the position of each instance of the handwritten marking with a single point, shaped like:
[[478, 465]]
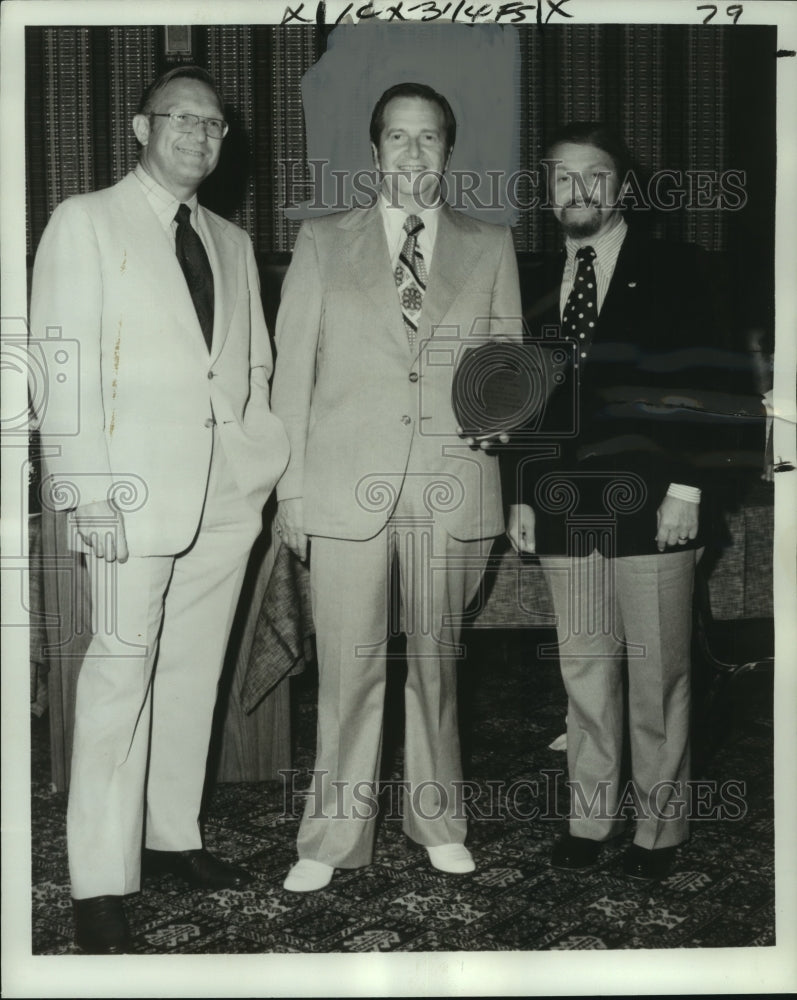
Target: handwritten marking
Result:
[[508, 11], [734, 11]]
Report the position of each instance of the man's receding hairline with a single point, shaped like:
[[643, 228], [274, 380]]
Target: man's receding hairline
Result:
[[182, 79], [187, 72]]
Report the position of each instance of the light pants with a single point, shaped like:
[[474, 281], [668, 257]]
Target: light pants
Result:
[[350, 582], [147, 690], [642, 606]]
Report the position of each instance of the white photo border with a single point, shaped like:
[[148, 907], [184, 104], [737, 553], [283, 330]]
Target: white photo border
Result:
[[695, 971]]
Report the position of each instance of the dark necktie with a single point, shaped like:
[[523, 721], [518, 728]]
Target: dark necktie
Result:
[[411, 277], [194, 261], [580, 316]]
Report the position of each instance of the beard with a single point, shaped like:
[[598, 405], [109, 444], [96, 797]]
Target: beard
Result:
[[578, 221]]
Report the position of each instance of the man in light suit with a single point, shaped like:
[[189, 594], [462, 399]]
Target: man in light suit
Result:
[[165, 472], [612, 505], [377, 306]]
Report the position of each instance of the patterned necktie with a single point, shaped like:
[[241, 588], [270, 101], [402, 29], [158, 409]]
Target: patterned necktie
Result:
[[580, 315], [411, 277], [194, 261]]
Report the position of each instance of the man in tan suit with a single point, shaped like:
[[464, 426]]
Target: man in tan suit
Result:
[[175, 453], [377, 306]]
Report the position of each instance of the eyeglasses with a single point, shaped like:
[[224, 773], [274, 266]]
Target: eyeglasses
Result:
[[215, 128]]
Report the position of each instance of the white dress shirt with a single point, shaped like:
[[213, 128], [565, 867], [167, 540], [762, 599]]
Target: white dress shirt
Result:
[[165, 205], [607, 250], [394, 218]]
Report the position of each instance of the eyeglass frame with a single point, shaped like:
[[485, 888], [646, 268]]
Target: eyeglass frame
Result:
[[171, 115]]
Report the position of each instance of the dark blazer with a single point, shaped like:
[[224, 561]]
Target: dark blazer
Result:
[[648, 406]]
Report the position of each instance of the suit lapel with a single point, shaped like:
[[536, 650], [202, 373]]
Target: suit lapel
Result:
[[627, 281], [364, 244], [456, 252], [223, 259], [160, 259], [625, 285]]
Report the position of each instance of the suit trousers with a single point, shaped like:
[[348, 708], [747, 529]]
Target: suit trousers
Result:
[[350, 584], [639, 608], [147, 690]]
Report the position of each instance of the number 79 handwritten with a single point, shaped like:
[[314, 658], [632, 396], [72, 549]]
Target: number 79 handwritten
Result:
[[734, 10]]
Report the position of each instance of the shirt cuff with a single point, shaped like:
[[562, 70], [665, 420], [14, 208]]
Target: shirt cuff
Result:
[[681, 492]]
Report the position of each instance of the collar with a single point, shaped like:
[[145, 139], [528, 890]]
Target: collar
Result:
[[395, 217], [163, 202], [606, 246]]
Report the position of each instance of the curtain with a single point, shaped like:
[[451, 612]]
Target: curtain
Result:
[[666, 88], [661, 87]]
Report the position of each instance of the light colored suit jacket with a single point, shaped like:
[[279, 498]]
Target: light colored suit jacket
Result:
[[132, 415], [359, 406]]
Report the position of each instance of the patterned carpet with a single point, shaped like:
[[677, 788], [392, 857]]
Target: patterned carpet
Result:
[[720, 892]]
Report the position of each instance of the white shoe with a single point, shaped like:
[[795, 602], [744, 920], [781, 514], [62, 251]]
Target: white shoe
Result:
[[453, 858], [308, 876]]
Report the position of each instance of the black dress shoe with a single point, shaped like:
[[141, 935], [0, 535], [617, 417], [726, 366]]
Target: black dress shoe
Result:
[[646, 865], [574, 853], [198, 867], [101, 926]]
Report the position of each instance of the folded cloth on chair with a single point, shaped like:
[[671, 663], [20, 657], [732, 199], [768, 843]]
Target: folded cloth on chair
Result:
[[282, 639]]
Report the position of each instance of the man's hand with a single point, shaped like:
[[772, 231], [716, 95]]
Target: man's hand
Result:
[[289, 525], [520, 528], [102, 528], [483, 441], [676, 521]]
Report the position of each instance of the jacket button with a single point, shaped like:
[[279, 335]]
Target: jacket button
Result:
[[211, 374], [413, 376], [406, 419], [210, 422]]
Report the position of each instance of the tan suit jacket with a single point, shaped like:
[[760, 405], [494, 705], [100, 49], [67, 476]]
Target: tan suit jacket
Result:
[[141, 391], [356, 401]]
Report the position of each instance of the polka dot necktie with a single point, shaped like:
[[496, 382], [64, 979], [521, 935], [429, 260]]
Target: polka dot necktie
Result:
[[194, 261], [411, 278], [580, 316]]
